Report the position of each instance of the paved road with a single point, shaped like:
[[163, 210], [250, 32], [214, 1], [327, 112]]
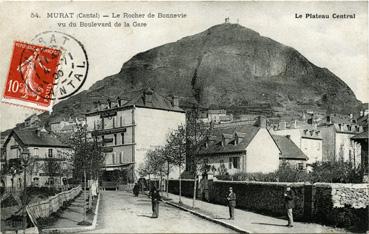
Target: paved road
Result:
[[121, 212]]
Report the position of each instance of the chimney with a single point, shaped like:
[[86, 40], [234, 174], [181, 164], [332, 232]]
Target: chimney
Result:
[[174, 101], [329, 119], [261, 122], [147, 96]]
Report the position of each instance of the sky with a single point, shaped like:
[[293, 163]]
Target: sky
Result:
[[341, 45]]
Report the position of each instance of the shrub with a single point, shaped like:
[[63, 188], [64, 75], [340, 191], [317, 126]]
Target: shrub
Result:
[[331, 172], [336, 172]]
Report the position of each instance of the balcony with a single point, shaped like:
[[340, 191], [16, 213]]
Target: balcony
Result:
[[108, 131]]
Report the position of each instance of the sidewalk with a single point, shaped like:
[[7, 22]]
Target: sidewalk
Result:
[[68, 219], [249, 222]]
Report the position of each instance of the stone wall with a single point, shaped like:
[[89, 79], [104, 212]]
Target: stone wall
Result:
[[342, 205]]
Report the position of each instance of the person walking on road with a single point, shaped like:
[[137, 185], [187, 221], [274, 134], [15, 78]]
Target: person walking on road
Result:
[[136, 190], [155, 198], [289, 198], [231, 203]]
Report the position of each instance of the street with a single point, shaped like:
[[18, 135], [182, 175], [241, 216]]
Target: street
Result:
[[121, 212]]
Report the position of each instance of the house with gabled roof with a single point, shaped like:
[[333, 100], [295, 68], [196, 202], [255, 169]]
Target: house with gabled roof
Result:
[[240, 148], [291, 154], [45, 149]]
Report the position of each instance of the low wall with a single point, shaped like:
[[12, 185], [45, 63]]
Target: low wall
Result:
[[342, 205], [48, 206]]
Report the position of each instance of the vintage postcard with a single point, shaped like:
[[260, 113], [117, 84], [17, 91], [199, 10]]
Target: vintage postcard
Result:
[[227, 117]]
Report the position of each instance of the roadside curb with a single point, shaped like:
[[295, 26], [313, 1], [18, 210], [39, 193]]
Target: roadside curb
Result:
[[77, 229], [227, 225]]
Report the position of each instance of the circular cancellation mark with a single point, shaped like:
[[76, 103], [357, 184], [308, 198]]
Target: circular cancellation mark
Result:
[[72, 68]]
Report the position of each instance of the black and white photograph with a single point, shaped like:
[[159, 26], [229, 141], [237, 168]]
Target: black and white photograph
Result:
[[184, 117]]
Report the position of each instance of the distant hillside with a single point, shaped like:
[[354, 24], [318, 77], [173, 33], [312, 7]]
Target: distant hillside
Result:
[[225, 66]]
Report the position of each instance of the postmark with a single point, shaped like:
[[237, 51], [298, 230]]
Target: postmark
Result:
[[73, 67], [31, 75]]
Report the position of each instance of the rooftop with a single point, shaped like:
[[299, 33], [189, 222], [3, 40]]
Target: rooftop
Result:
[[145, 98], [363, 135], [245, 134], [289, 150], [36, 138]]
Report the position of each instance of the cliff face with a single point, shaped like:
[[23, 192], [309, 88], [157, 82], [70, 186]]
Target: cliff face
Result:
[[225, 66]]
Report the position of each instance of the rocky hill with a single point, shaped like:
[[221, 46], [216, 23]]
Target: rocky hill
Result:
[[225, 66]]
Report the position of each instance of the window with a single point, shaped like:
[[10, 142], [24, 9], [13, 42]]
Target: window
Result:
[[115, 139], [122, 134], [50, 181], [113, 158], [121, 158], [102, 140], [113, 122], [300, 166], [236, 162], [121, 121], [35, 151], [50, 153], [230, 163]]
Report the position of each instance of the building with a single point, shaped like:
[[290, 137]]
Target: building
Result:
[[240, 148], [291, 154], [66, 126], [49, 158], [32, 121], [337, 142], [127, 130], [305, 137], [216, 116]]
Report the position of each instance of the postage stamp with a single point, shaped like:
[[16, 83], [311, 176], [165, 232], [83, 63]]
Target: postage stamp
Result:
[[52, 67], [31, 75]]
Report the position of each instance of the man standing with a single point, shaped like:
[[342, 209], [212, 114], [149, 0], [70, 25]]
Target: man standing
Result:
[[289, 198], [231, 203], [155, 198]]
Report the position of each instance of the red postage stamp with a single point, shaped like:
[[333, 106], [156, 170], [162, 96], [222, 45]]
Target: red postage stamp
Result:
[[31, 76]]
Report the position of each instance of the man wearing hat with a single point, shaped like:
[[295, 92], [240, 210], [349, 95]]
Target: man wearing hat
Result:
[[289, 198], [231, 203]]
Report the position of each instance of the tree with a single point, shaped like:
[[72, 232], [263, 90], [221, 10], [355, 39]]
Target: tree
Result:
[[175, 152], [87, 156], [52, 167], [167, 156], [196, 134], [157, 162]]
